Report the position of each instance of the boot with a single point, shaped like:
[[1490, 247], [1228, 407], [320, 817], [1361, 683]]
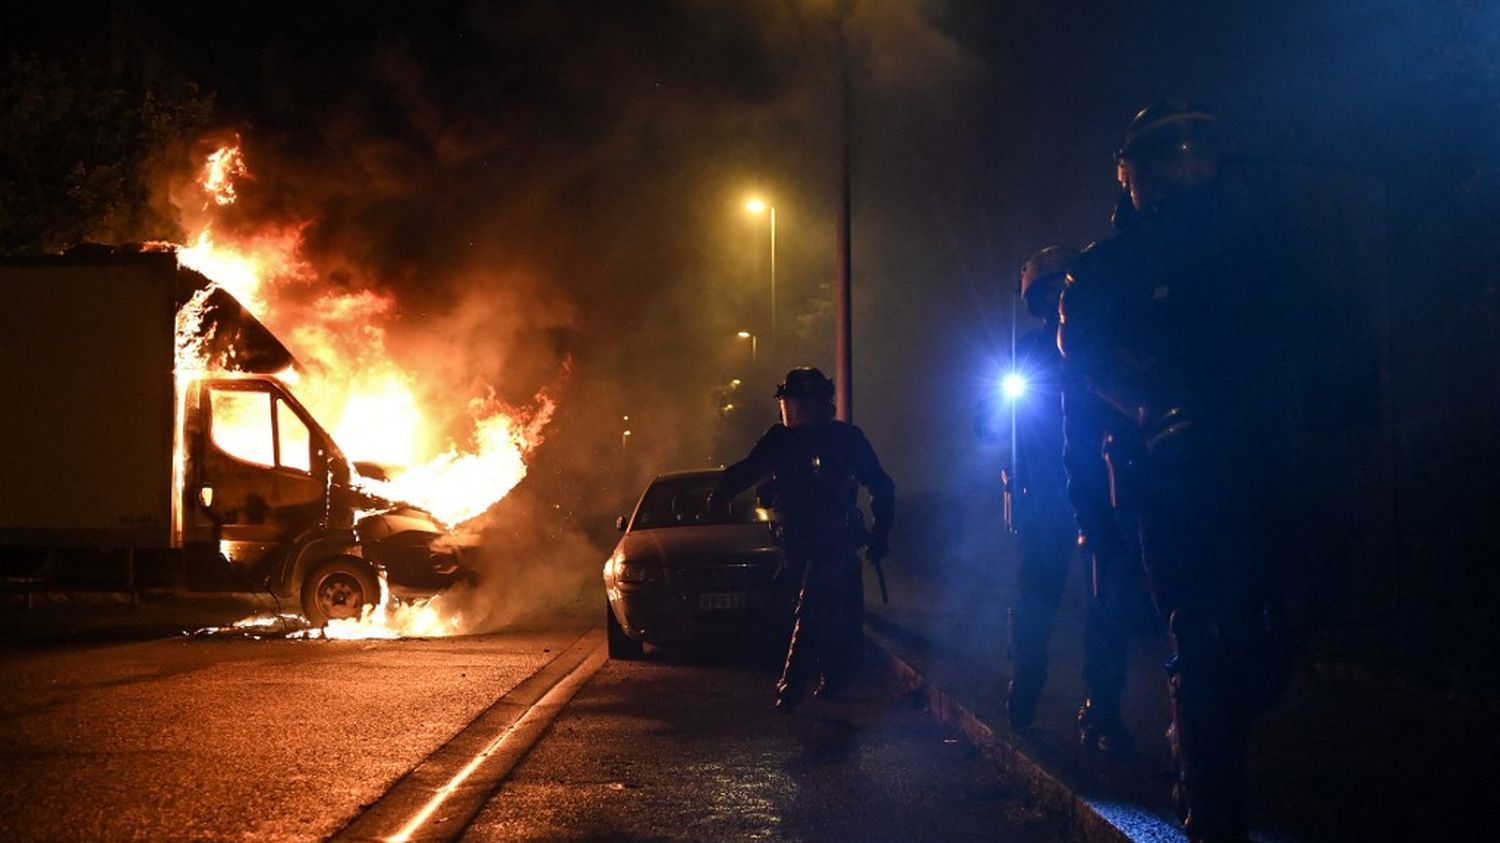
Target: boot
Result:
[[1101, 730]]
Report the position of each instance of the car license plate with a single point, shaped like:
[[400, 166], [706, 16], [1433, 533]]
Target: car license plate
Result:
[[724, 600]]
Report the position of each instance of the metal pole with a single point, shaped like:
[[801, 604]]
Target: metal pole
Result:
[[1010, 366], [844, 379], [773, 287], [754, 350]]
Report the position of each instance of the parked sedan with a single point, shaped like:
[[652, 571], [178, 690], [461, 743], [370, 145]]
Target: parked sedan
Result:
[[682, 574]]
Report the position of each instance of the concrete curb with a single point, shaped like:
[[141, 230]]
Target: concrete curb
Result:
[[1084, 820]]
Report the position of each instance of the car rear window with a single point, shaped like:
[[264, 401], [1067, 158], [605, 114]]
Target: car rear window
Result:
[[682, 502]]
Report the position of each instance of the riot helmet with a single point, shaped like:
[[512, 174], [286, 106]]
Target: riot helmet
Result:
[[1170, 149], [806, 397], [1042, 280]]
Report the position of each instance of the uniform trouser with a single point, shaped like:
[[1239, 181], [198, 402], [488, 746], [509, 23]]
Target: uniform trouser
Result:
[[826, 638], [1047, 550], [1227, 665]]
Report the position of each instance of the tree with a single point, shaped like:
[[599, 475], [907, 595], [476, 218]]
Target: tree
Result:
[[83, 158]]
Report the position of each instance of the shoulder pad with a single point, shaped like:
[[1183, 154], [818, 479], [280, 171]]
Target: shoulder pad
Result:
[[846, 429], [1094, 257]]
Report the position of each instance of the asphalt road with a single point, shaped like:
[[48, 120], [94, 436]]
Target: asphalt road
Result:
[[688, 749], [233, 739], [230, 738]]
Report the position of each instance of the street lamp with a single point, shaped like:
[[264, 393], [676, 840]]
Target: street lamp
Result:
[[746, 335], [758, 206]]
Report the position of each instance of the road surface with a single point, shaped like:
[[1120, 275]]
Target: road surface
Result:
[[522, 735], [690, 750]]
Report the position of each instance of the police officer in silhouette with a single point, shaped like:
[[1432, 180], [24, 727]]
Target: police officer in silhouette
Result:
[[815, 466], [1040, 512], [1157, 321]]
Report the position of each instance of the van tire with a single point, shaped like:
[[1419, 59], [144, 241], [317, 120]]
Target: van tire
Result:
[[621, 646], [338, 589]]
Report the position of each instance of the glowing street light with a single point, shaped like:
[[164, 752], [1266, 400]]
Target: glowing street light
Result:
[[757, 206]]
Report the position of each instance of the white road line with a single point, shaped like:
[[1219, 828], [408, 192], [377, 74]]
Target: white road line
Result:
[[530, 724], [435, 800]]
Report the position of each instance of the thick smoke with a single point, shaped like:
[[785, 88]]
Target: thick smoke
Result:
[[552, 200]]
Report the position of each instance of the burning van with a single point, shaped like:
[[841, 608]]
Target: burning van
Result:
[[151, 437]]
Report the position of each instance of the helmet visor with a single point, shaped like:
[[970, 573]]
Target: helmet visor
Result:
[[1177, 136]]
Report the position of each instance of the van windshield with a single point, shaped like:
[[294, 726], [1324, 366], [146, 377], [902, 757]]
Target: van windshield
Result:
[[683, 502]]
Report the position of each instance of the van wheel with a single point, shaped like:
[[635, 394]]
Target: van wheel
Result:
[[338, 589], [621, 646]]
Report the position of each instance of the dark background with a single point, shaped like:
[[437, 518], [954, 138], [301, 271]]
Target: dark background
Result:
[[565, 181]]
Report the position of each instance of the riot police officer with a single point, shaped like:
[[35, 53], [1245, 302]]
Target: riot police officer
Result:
[[1156, 320], [1038, 495], [816, 465]]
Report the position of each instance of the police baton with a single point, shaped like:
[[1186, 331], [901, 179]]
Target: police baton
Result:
[[1008, 498]]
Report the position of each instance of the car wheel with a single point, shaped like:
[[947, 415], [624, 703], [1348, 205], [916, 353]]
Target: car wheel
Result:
[[338, 589], [621, 646]]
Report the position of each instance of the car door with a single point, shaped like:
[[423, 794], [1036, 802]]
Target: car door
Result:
[[262, 466]]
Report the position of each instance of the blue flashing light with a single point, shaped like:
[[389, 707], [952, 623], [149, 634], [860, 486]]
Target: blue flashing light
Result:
[[1013, 386]]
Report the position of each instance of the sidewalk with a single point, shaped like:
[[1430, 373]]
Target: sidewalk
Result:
[[1338, 758]]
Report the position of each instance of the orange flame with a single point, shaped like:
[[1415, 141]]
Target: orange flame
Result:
[[249, 265], [225, 165], [455, 485], [390, 618], [371, 405]]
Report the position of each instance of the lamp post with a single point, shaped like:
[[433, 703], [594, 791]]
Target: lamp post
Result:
[[758, 206], [625, 435], [746, 335], [844, 339]]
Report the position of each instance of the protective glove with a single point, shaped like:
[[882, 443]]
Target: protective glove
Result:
[[1159, 428], [878, 548]]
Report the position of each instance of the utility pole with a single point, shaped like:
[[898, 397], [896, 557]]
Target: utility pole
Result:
[[844, 356]]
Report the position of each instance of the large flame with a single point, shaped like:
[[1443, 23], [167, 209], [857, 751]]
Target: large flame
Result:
[[455, 465], [225, 165], [350, 382], [244, 265]]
